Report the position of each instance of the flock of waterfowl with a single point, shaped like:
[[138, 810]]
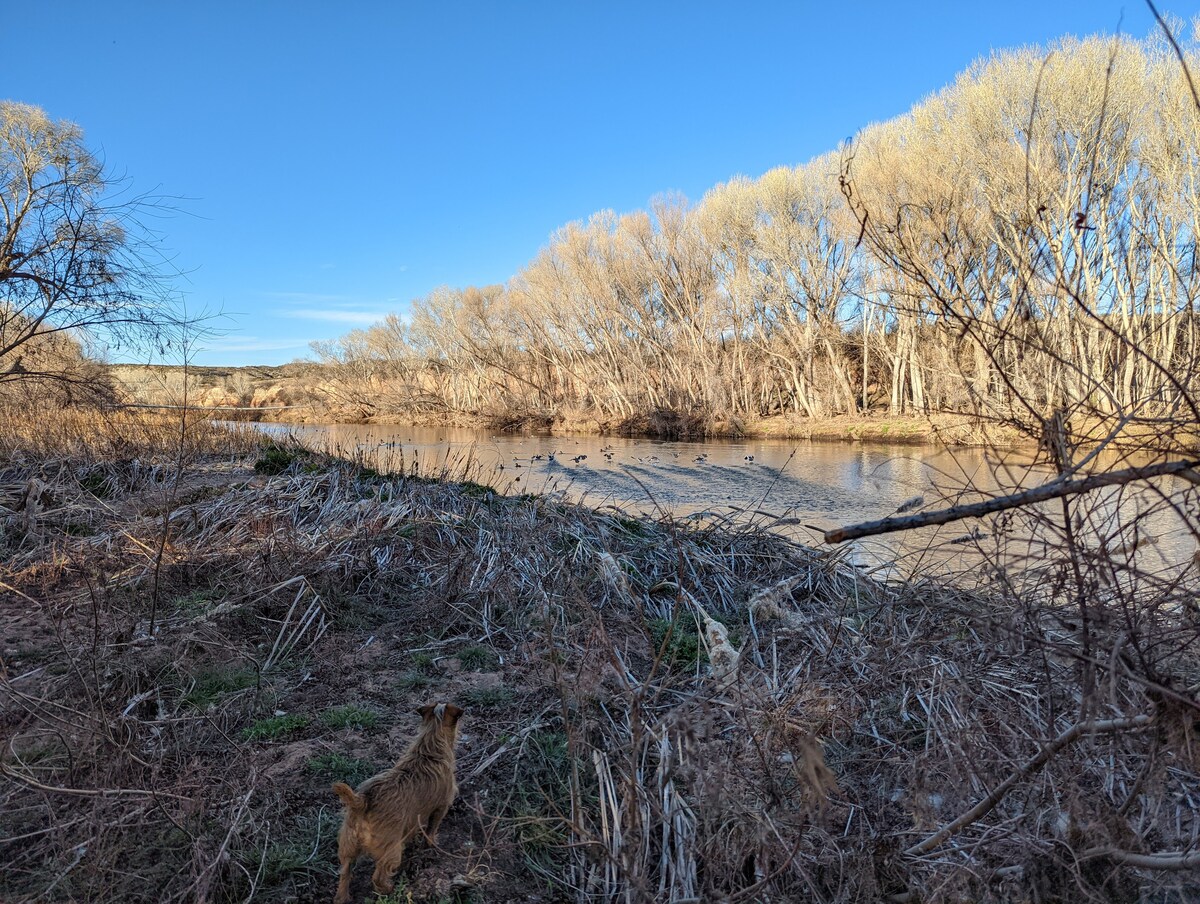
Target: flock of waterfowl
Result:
[[627, 455], [609, 454]]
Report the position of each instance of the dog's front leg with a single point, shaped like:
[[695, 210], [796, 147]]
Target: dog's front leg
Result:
[[435, 822]]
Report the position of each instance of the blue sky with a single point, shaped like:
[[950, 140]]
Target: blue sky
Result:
[[336, 160]]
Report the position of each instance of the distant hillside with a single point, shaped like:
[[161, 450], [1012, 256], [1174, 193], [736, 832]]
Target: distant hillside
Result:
[[286, 392]]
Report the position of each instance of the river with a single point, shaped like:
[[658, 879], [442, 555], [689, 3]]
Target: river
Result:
[[798, 487]]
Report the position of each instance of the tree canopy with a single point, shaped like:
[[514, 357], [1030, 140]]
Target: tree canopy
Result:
[[1022, 241], [77, 261]]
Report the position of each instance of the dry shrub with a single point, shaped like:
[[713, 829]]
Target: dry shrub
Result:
[[666, 423], [105, 434]]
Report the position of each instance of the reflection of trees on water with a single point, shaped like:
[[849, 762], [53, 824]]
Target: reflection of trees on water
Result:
[[807, 486]]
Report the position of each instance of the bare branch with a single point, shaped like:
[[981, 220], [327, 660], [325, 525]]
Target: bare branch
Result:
[[1161, 860], [985, 806], [1055, 489]]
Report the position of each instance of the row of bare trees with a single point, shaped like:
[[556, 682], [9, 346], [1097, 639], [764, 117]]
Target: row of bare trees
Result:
[[1021, 242]]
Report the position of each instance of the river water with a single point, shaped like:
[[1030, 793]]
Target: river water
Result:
[[798, 487]]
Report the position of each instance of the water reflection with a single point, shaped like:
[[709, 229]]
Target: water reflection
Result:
[[798, 487]]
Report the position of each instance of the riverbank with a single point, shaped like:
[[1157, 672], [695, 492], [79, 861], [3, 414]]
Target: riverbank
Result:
[[937, 429], [301, 393], [198, 644]]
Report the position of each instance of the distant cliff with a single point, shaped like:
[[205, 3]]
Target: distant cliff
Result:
[[289, 392]]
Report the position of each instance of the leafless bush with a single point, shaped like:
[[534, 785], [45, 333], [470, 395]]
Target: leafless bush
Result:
[[1054, 288]]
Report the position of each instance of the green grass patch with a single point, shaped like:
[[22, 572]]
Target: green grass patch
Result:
[[196, 601], [542, 796], [476, 490], [420, 479], [211, 685], [300, 863], [350, 716], [412, 681], [401, 894], [96, 483], [339, 767], [275, 727], [565, 545], [630, 526], [275, 459], [44, 752], [29, 656], [279, 861], [678, 640], [422, 662], [488, 697], [476, 658]]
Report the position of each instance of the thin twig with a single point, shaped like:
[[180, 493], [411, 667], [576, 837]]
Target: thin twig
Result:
[[1178, 51], [85, 792]]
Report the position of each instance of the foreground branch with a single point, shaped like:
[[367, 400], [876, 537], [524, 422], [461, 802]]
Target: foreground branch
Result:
[[84, 792], [1166, 30], [202, 408], [985, 806], [1163, 860], [1053, 490]]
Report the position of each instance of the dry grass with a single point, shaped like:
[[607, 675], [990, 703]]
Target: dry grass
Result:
[[182, 755], [109, 435]]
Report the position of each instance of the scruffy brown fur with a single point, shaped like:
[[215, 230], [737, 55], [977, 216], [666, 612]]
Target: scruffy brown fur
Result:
[[389, 809]]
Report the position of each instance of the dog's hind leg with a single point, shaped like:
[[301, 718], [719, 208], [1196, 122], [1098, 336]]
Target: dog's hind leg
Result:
[[347, 854], [385, 868], [343, 890]]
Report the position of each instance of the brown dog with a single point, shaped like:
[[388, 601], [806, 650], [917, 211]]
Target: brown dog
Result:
[[388, 809]]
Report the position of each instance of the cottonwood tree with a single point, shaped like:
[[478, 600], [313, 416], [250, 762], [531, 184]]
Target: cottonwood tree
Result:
[[1030, 248], [76, 259]]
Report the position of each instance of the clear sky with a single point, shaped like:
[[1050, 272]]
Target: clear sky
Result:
[[336, 160]]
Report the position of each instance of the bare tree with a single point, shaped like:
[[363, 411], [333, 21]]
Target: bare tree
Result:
[[76, 258], [1038, 255]]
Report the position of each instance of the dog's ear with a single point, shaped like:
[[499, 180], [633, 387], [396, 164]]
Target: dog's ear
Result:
[[453, 713], [426, 711]]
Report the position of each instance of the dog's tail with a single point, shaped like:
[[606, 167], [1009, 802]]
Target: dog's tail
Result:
[[354, 802]]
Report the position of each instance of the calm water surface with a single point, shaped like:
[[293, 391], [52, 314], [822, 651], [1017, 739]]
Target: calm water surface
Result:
[[798, 487]]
